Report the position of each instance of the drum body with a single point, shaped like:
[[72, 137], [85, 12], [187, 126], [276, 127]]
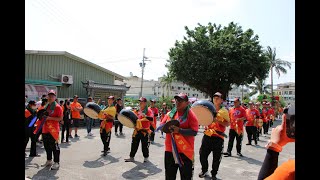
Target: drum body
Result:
[[204, 111], [127, 118], [92, 110]]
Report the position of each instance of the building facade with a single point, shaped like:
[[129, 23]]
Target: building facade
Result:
[[237, 92], [286, 91], [69, 75]]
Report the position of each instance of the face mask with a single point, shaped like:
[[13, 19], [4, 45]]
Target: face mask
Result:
[[33, 107]]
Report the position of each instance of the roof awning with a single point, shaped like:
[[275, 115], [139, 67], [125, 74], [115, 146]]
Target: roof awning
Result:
[[42, 82]]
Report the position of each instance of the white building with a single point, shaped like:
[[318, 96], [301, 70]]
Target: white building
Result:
[[286, 91], [237, 91]]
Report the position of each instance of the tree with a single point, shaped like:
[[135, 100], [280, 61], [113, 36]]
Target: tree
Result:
[[166, 81], [277, 64], [260, 87], [211, 58]]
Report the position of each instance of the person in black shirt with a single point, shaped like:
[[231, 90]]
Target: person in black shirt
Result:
[[117, 124]]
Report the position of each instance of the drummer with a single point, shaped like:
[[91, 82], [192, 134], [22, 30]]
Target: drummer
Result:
[[213, 139], [186, 133], [106, 125], [142, 131]]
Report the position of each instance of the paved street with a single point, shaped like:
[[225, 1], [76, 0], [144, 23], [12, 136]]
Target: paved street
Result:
[[82, 159]]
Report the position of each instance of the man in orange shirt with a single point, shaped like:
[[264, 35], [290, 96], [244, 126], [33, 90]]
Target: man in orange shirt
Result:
[[51, 129], [30, 113], [265, 109], [75, 115], [237, 116], [213, 138], [184, 137], [153, 126], [251, 126]]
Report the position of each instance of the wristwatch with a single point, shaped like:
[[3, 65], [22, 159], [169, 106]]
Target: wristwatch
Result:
[[273, 146]]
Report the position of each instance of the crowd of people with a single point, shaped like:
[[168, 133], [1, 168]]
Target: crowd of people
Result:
[[180, 136]]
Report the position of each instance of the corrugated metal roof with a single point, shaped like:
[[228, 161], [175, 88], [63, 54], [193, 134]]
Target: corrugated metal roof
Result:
[[64, 53]]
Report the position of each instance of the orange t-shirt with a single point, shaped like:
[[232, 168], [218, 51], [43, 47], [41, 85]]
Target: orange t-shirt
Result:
[[75, 114], [265, 114], [235, 113], [250, 116], [190, 123], [286, 171], [55, 124]]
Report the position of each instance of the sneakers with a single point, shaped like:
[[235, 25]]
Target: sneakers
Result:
[[227, 154], [90, 133], [116, 134], [55, 166], [76, 135], [70, 136], [239, 154], [131, 159], [248, 144], [214, 178], [48, 163], [203, 174], [145, 160], [121, 133]]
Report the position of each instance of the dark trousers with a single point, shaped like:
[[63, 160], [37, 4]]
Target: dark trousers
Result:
[[65, 127], [251, 133], [105, 138], [29, 135], [116, 125], [144, 142], [233, 134], [152, 134], [265, 127], [186, 171], [270, 123], [51, 146], [212, 144]]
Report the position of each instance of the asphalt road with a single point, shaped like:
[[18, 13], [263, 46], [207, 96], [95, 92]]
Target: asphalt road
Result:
[[82, 159]]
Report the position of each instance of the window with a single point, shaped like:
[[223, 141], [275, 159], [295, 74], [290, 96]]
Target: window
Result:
[[179, 88], [172, 87], [290, 92]]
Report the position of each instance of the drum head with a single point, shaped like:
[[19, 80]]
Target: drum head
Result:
[[125, 121], [166, 127], [91, 113], [203, 114]]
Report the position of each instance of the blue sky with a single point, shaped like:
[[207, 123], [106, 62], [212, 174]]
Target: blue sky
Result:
[[113, 34]]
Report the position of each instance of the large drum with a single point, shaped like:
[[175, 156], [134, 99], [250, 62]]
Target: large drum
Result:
[[92, 110], [127, 118], [204, 111]]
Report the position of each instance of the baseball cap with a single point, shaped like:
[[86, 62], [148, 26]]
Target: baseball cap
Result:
[[182, 96], [152, 100], [250, 102], [52, 92], [236, 99], [143, 99], [75, 96], [119, 99], [217, 94], [110, 97]]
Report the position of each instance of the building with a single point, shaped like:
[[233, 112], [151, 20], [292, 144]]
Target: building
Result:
[[68, 75], [286, 91], [237, 91]]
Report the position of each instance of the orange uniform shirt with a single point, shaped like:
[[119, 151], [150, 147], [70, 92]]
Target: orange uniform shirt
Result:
[[250, 114], [235, 113], [285, 171], [75, 114]]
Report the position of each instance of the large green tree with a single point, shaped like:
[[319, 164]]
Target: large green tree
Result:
[[259, 86], [166, 81], [212, 58]]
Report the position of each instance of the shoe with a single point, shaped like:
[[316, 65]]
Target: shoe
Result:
[[70, 136], [121, 133], [131, 159], [48, 163], [116, 134], [239, 154], [34, 155], [214, 178], [227, 154], [105, 153], [76, 135], [55, 166], [203, 174], [145, 160], [248, 144], [91, 134]]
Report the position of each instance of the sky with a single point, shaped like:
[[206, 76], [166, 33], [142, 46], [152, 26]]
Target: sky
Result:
[[114, 34]]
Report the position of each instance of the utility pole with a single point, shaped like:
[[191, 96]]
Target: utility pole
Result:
[[142, 65]]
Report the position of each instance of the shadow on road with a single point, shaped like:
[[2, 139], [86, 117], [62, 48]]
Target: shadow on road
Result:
[[45, 173], [101, 161], [138, 172], [157, 144], [28, 163], [250, 160]]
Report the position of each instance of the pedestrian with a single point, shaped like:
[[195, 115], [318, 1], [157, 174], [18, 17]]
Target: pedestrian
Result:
[[75, 115], [142, 131], [89, 120], [183, 136], [106, 124], [265, 109], [30, 113], [237, 116], [66, 122], [252, 115], [51, 129], [213, 138], [153, 126], [117, 123]]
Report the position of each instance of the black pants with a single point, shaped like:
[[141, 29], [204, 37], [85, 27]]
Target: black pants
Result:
[[265, 127], [105, 138], [270, 123], [233, 134], [144, 142], [65, 127], [29, 135], [212, 144], [186, 171], [51, 146], [152, 134], [252, 134], [116, 125]]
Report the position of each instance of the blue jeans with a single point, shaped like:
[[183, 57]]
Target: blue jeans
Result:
[[89, 122]]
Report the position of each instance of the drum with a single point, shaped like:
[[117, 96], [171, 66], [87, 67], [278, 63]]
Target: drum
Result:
[[204, 111], [166, 127], [127, 118], [92, 110]]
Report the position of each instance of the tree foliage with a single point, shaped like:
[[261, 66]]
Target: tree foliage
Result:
[[212, 58]]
